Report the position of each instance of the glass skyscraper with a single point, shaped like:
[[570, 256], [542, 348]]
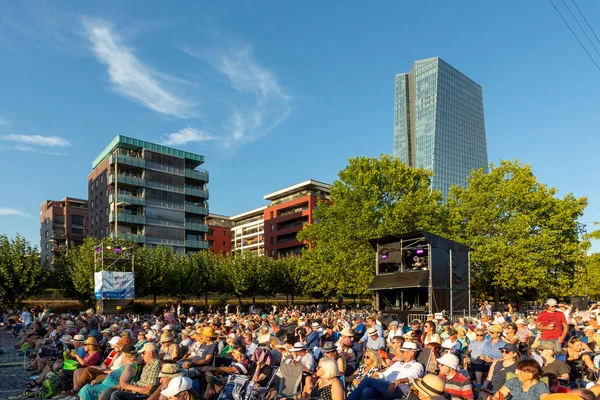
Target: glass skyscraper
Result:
[[438, 123]]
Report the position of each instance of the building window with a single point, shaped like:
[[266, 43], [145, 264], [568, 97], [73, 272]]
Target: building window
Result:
[[224, 243], [102, 178], [106, 211], [77, 230], [96, 182], [96, 218], [272, 240], [107, 230], [48, 246], [47, 221], [272, 227], [47, 233], [92, 204], [224, 233], [271, 214], [77, 220], [272, 253]]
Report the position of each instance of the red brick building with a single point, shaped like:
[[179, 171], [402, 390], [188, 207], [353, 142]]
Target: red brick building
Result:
[[291, 208], [63, 224], [219, 233]]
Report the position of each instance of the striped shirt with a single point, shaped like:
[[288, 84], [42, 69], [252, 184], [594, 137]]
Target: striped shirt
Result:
[[459, 387]]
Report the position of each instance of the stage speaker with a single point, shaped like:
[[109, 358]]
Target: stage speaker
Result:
[[579, 302], [114, 306]]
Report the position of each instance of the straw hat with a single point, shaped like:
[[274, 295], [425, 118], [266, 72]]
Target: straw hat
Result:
[[91, 341], [148, 347], [298, 346], [347, 332], [170, 371], [166, 338], [208, 332], [431, 385], [495, 328], [78, 339]]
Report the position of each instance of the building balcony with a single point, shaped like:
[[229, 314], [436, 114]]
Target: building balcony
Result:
[[196, 244], [127, 218], [130, 237], [164, 168], [128, 160], [164, 186], [60, 247], [127, 179], [126, 198], [193, 226], [195, 209], [165, 242], [193, 191], [199, 175]]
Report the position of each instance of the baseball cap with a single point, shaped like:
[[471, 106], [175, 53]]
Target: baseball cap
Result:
[[177, 385], [551, 302]]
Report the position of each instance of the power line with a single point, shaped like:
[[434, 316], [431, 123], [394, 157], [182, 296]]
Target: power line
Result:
[[576, 37], [581, 27], [586, 21]]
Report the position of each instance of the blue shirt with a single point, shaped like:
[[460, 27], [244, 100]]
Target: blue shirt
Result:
[[312, 340], [81, 352], [493, 350], [379, 332], [476, 349]]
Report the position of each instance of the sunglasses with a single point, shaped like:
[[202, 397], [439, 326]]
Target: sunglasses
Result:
[[479, 335], [366, 357], [505, 351]]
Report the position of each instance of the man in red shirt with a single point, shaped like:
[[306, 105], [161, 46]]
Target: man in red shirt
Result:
[[458, 386], [553, 325]]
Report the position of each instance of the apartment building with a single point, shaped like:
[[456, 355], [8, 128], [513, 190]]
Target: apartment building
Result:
[[219, 233], [63, 224], [149, 193]]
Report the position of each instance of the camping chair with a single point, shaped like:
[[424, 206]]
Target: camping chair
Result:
[[290, 381], [260, 392]]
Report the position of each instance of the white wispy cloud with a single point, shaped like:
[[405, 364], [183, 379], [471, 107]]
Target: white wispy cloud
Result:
[[14, 211], [37, 140], [185, 136], [269, 103], [5, 121], [130, 76]]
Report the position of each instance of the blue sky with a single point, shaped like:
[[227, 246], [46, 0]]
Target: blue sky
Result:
[[273, 93]]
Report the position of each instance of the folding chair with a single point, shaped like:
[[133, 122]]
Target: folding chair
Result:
[[290, 381]]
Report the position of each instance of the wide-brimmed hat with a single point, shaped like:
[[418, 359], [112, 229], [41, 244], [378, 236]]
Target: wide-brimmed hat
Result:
[[431, 385], [91, 341], [410, 346], [208, 332], [264, 339], [66, 339], [546, 346], [298, 346], [166, 338], [185, 332], [329, 346], [151, 335], [372, 331], [521, 321], [170, 370], [495, 328], [148, 347], [589, 328], [510, 347], [449, 360], [177, 385], [78, 339], [347, 332]]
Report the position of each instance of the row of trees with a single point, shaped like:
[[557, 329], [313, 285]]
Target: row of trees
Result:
[[525, 239]]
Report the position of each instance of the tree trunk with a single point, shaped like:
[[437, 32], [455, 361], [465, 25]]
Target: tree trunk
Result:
[[239, 304], [292, 298], [253, 300], [287, 303], [154, 302], [496, 298], [206, 300]]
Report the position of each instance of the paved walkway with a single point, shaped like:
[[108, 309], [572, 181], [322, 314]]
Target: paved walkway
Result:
[[13, 377]]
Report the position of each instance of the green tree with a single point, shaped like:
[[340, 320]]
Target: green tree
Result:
[[152, 266], [287, 276], [372, 197], [79, 269], [21, 274], [524, 238]]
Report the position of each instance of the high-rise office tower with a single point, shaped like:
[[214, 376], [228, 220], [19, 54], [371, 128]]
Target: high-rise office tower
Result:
[[438, 123], [148, 193]]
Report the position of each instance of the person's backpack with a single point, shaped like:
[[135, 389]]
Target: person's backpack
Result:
[[51, 386]]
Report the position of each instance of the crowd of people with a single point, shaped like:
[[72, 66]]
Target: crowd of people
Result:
[[338, 353]]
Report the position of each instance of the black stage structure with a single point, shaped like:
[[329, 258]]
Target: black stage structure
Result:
[[419, 273]]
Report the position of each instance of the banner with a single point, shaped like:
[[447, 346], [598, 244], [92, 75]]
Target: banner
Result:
[[114, 285]]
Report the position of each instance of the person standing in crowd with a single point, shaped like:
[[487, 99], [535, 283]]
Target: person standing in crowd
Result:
[[552, 324]]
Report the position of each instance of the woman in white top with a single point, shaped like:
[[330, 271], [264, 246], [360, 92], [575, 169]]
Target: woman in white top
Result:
[[392, 331], [429, 333]]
